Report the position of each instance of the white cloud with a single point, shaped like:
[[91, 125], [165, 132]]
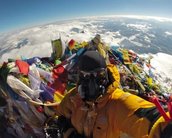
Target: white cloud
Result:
[[140, 27], [168, 33], [147, 39], [39, 39], [160, 19]]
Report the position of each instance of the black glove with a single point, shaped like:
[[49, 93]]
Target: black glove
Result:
[[75, 134], [167, 132], [3, 102], [56, 127]]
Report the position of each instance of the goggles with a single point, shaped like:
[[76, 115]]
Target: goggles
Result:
[[98, 74], [92, 84]]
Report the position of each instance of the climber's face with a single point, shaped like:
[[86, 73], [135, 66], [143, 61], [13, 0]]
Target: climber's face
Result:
[[92, 84], [92, 80]]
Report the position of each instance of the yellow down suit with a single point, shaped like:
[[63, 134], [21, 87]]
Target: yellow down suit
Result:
[[114, 113]]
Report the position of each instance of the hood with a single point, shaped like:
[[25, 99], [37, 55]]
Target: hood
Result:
[[114, 78]]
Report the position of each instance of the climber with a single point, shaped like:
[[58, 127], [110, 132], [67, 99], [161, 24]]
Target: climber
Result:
[[98, 108]]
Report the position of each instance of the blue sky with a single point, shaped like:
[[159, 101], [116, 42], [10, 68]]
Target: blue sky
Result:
[[16, 14]]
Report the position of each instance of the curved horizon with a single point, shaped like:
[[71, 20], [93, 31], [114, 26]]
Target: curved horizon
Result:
[[158, 18], [16, 14]]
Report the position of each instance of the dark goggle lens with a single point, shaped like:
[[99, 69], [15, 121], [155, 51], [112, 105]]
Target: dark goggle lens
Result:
[[88, 75]]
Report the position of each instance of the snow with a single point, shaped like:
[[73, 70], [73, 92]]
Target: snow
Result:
[[162, 63], [160, 70]]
